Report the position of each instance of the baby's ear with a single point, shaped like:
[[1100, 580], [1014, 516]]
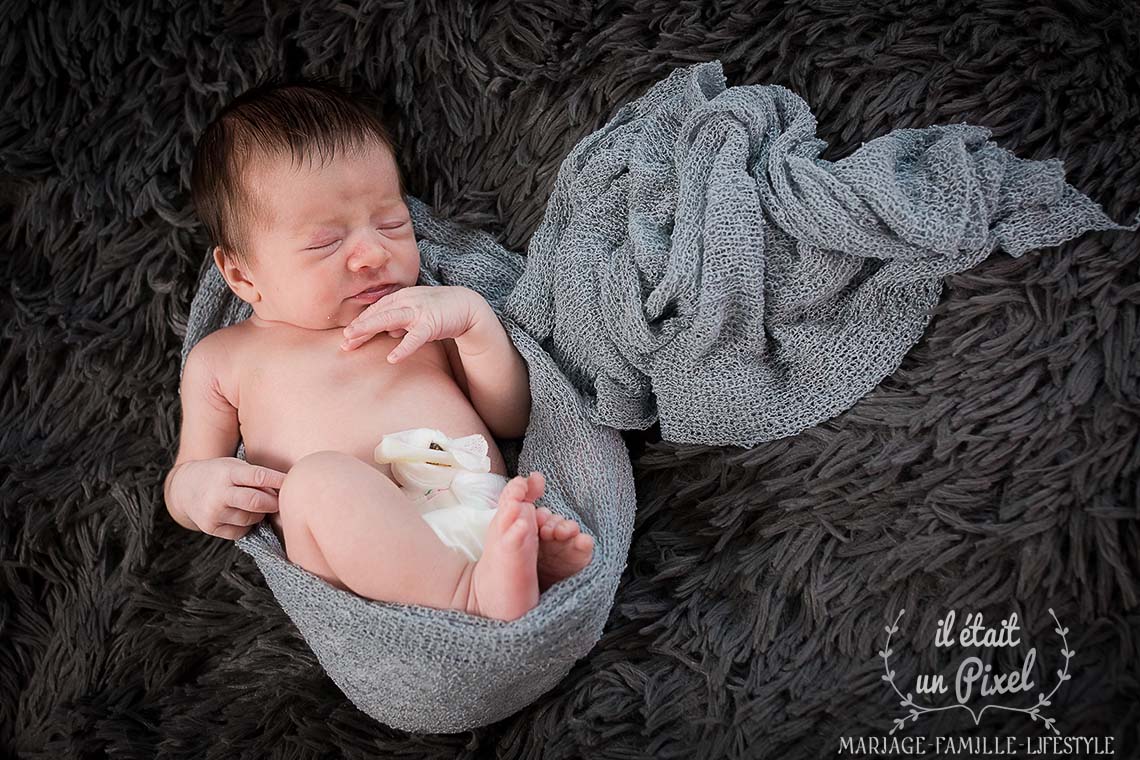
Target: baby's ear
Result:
[[223, 266], [235, 278]]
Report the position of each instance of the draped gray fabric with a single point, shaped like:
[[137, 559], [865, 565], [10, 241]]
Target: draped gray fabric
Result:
[[700, 265]]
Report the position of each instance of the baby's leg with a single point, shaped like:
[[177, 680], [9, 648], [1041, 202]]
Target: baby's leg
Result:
[[347, 522]]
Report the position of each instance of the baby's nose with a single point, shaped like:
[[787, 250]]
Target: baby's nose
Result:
[[369, 253]]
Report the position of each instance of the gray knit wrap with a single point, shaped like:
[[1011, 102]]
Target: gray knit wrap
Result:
[[700, 265]]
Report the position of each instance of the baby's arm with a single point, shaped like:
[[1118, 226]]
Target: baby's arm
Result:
[[209, 423], [498, 382], [208, 489]]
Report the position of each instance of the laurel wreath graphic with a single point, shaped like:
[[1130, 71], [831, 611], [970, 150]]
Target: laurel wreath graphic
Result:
[[1033, 712]]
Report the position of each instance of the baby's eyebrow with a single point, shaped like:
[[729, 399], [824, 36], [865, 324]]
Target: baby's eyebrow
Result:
[[301, 228]]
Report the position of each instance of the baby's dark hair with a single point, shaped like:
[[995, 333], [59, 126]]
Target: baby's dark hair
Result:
[[269, 120]]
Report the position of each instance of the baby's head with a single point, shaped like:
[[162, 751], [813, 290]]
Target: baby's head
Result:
[[298, 236]]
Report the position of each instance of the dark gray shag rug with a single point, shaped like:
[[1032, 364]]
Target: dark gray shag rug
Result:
[[996, 471]]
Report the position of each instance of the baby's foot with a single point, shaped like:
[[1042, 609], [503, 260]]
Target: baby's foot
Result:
[[562, 548], [504, 584]]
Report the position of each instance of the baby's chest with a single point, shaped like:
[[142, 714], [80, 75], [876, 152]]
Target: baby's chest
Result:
[[295, 402], [324, 378]]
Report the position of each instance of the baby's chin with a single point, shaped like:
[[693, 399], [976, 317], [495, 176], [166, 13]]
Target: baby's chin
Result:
[[308, 323]]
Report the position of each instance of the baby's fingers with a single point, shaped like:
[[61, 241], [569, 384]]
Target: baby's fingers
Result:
[[367, 326], [380, 321], [244, 474], [250, 499], [351, 343], [231, 532], [417, 335], [241, 517]]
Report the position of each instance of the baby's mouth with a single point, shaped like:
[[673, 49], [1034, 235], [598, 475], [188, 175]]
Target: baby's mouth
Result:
[[377, 292]]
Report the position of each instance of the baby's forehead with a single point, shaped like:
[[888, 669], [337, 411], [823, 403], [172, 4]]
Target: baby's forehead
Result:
[[263, 162], [278, 184]]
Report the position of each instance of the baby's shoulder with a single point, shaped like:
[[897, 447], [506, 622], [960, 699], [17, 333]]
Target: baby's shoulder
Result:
[[218, 344], [219, 350]]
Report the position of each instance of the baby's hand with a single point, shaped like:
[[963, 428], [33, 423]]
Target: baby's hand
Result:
[[420, 313], [225, 496]]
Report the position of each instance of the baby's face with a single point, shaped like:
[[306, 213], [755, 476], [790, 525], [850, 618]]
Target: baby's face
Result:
[[331, 232]]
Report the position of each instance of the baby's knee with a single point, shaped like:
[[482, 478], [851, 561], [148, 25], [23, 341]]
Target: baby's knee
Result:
[[309, 479]]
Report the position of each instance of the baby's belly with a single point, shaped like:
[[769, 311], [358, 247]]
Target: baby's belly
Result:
[[284, 421]]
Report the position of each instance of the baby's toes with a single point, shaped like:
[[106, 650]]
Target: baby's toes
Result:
[[565, 530], [507, 513], [522, 526], [536, 486], [542, 515], [546, 530], [514, 490]]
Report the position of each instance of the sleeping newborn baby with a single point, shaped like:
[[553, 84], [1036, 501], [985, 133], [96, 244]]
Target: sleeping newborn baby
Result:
[[343, 353]]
